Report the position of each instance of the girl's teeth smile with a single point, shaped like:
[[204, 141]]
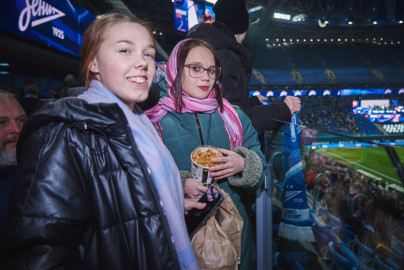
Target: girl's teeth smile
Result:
[[137, 79]]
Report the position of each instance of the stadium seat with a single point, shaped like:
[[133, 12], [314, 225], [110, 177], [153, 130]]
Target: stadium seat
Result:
[[335, 223], [356, 204], [323, 236], [397, 255], [310, 200], [296, 260], [278, 189], [383, 265], [322, 212], [363, 252], [342, 258], [347, 235]]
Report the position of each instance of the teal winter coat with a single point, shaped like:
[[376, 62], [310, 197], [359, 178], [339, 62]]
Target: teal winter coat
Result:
[[181, 136]]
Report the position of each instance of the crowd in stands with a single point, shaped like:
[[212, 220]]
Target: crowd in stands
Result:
[[349, 209], [373, 210], [328, 114]]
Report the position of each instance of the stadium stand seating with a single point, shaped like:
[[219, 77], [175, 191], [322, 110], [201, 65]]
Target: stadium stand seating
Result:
[[326, 65], [383, 265], [386, 62], [365, 126], [342, 257], [363, 252]]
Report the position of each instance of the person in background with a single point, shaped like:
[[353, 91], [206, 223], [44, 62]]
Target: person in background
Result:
[[30, 99], [12, 118], [193, 113], [208, 18], [69, 82], [97, 188], [226, 35]]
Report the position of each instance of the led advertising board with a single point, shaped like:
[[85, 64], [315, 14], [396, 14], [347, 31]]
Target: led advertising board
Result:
[[188, 13], [334, 92], [57, 24]]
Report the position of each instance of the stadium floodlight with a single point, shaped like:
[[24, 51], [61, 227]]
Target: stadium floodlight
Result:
[[299, 18], [254, 9], [282, 16], [322, 23]]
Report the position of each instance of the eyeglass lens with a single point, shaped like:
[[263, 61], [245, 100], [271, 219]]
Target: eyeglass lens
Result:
[[196, 71]]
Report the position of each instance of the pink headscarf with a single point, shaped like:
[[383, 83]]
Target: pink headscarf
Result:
[[193, 105]]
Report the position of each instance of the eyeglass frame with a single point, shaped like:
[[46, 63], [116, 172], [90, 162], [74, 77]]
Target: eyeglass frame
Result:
[[205, 69]]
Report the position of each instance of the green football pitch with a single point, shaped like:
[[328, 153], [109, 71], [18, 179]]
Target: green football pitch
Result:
[[371, 161]]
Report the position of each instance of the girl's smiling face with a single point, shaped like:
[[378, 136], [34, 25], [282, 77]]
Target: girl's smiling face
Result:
[[125, 62], [198, 87]]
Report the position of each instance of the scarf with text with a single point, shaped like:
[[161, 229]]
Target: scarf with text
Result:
[[295, 221]]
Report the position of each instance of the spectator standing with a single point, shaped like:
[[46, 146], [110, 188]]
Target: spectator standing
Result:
[[69, 82], [194, 113], [12, 117], [226, 35], [97, 188], [30, 99]]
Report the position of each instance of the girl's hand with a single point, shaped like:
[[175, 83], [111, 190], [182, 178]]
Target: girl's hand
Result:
[[191, 204], [194, 188], [233, 163]]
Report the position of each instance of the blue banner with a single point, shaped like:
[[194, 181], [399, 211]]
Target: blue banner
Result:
[[57, 24]]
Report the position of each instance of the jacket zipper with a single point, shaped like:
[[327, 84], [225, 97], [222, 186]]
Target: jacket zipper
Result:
[[147, 174]]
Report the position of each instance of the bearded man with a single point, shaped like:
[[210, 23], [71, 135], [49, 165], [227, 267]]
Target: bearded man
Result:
[[12, 118]]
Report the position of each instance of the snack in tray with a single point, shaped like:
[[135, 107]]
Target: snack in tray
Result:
[[203, 156]]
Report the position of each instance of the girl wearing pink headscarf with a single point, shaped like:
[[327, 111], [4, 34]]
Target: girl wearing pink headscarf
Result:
[[191, 113]]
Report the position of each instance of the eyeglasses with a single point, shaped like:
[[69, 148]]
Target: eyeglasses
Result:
[[196, 71]]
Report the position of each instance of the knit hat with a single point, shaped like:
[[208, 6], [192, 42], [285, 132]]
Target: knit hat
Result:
[[233, 13]]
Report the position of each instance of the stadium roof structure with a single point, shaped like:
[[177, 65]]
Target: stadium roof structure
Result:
[[290, 22], [285, 22]]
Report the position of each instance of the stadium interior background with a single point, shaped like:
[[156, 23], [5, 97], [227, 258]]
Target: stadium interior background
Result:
[[344, 58]]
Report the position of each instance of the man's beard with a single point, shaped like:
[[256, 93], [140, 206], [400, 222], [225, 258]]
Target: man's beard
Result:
[[7, 159]]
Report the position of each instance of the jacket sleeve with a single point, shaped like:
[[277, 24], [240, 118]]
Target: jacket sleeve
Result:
[[252, 177], [254, 100], [265, 116], [48, 207]]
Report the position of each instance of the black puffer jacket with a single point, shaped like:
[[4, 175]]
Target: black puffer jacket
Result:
[[236, 65], [83, 196]]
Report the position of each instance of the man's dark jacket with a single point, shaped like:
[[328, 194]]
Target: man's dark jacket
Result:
[[83, 197], [7, 174]]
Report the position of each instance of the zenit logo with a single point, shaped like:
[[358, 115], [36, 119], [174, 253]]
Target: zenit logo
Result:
[[290, 194], [37, 9]]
